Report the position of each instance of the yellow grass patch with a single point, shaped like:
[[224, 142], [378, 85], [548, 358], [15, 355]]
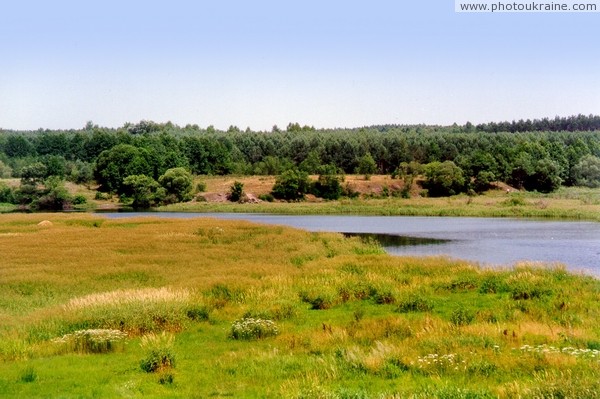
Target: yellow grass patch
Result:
[[125, 297]]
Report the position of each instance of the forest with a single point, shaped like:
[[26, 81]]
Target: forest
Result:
[[534, 155]]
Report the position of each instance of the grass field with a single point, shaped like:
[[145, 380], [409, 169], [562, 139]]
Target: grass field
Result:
[[92, 307]]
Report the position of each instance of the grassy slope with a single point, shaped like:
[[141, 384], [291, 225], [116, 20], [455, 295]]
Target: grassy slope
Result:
[[354, 322]]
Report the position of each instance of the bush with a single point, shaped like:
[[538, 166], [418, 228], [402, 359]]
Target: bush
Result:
[[6, 194], [5, 171], [443, 179], [102, 196], [236, 191], [366, 166], [143, 190], [54, 197], [201, 187], [329, 184], [177, 182], [587, 172], [483, 181], [250, 328], [79, 200], [291, 185], [160, 352], [266, 197]]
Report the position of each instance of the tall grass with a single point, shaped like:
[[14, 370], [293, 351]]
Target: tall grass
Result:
[[335, 317]]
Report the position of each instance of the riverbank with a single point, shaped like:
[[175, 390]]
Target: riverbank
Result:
[[567, 203], [375, 198]]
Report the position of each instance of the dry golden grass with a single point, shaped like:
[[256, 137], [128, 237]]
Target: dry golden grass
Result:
[[125, 297]]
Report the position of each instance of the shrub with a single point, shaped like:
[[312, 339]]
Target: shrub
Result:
[[348, 191], [366, 166], [443, 179], [483, 181], [266, 197], [328, 185], [160, 355], [514, 200], [54, 197], [143, 190], [587, 172], [236, 191], [201, 187], [291, 185], [250, 328], [177, 182], [79, 199], [102, 196], [6, 194], [5, 171]]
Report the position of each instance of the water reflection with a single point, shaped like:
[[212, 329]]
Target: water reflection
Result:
[[393, 240]]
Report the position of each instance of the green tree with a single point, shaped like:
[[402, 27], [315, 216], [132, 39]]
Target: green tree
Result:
[[546, 177], [311, 163], [6, 194], [366, 166], [80, 172], [483, 181], [587, 172], [271, 166], [177, 182], [54, 195], [143, 191], [443, 179], [33, 174], [114, 165], [5, 170], [291, 185], [18, 147], [55, 165]]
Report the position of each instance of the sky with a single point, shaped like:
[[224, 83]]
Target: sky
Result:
[[325, 63]]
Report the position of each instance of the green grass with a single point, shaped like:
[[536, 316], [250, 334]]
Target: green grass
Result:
[[344, 319]]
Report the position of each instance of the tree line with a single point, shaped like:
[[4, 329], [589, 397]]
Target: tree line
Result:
[[537, 155]]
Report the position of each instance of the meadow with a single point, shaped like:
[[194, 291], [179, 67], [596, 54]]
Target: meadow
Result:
[[148, 307]]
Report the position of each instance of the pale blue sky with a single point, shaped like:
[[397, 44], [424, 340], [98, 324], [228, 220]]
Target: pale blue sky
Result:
[[325, 63]]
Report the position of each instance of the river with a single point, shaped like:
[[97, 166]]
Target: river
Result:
[[487, 241]]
